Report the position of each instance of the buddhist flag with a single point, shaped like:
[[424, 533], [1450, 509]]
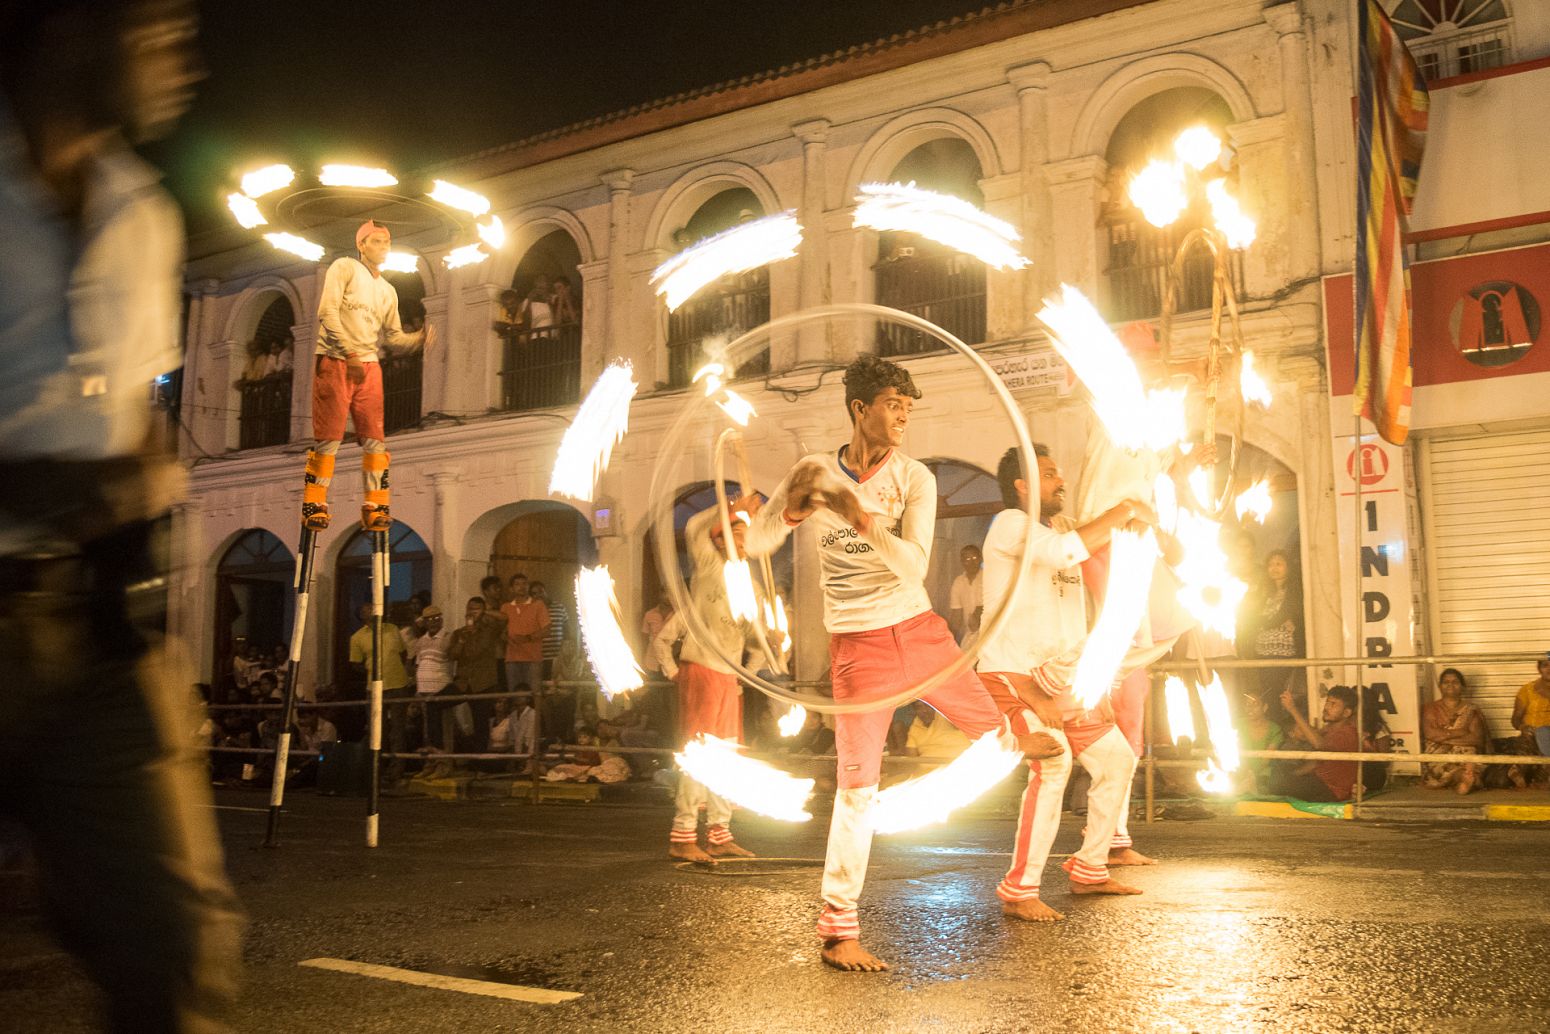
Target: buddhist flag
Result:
[[1391, 133]]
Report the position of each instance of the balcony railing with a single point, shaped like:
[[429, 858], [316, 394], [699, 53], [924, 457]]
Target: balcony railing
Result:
[[402, 376], [542, 368], [266, 411], [1139, 257], [947, 289], [738, 303], [1461, 53]]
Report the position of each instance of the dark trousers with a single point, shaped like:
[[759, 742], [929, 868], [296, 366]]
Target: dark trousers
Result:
[[558, 714], [1303, 786], [97, 760]]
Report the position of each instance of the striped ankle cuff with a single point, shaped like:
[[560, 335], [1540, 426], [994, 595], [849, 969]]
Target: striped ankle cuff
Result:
[[719, 835], [1011, 892], [1120, 842], [1081, 872], [683, 836], [839, 925]]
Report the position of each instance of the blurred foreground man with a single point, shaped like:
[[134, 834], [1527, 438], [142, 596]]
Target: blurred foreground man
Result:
[[95, 754]]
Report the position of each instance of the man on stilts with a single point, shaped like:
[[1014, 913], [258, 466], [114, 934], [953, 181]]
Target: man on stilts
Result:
[[874, 511], [710, 699], [1027, 667], [357, 314]]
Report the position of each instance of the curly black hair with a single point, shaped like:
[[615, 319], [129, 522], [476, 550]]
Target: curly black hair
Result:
[[870, 375]]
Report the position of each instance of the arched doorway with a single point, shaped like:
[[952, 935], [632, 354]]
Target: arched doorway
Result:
[[542, 327], [253, 598], [736, 303], [549, 544], [403, 372], [409, 573], [924, 278], [967, 500]]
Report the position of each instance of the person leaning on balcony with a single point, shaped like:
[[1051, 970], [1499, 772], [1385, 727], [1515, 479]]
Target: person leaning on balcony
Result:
[[563, 302], [357, 313], [1321, 780], [1531, 710]]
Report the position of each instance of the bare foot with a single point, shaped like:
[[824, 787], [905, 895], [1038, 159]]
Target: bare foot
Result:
[[1129, 856], [689, 853], [1109, 886], [730, 849], [1034, 911], [1039, 745], [851, 957]]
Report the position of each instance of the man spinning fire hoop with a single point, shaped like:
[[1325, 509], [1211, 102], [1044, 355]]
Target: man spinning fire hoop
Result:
[[357, 313], [874, 511]]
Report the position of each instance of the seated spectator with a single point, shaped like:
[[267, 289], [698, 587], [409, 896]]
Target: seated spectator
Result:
[[245, 665], [932, 736], [1321, 780], [267, 689], [813, 738], [1531, 710], [590, 766], [515, 727], [1452, 725], [1257, 732], [313, 730]]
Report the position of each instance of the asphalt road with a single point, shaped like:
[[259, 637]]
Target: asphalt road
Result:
[[1248, 925]]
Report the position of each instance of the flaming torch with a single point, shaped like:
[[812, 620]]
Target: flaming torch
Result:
[[589, 441], [948, 220], [597, 614], [1133, 559], [746, 782], [931, 798], [745, 246], [792, 721]]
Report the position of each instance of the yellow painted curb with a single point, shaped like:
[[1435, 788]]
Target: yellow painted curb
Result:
[[1282, 810], [1517, 812]]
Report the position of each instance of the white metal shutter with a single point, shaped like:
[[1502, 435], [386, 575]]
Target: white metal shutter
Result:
[[1489, 553]]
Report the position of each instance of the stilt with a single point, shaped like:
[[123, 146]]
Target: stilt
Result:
[[379, 577], [282, 750]]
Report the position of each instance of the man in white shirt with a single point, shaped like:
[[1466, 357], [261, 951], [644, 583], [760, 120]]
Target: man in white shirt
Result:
[[357, 313], [1027, 667], [710, 700], [966, 599], [873, 516]]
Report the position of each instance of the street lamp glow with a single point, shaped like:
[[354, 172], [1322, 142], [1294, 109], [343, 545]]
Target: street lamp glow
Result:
[[267, 180], [1198, 147], [295, 245], [454, 196], [245, 209], [355, 176], [1158, 191]]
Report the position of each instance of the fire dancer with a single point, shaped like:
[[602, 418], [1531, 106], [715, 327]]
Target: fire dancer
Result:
[[710, 700], [356, 314], [1027, 668], [874, 512]]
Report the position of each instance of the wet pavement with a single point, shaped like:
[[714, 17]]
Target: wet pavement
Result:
[[1248, 925]]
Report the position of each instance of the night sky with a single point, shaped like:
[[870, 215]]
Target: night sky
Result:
[[405, 83]]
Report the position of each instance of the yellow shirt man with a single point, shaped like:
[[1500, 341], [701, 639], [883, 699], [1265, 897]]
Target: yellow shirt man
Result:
[[1533, 704], [394, 674]]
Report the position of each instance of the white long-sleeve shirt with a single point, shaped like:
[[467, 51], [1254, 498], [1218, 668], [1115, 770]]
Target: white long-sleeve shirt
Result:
[[358, 310], [1049, 611], [708, 596], [870, 579]]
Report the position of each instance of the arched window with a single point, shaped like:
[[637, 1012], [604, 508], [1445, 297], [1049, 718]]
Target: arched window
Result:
[[403, 372], [1140, 253], [541, 326], [253, 599], [409, 573], [926, 279], [1453, 37], [738, 302], [265, 381]]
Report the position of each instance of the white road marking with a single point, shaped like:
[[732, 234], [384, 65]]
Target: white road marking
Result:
[[489, 988]]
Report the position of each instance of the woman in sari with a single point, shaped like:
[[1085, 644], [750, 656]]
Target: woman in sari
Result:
[[1452, 725]]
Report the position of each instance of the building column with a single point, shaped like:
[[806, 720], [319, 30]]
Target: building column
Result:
[[617, 339], [1303, 259], [1031, 81], [1006, 314], [595, 340], [1267, 193], [445, 548], [812, 343], [1076, 199]]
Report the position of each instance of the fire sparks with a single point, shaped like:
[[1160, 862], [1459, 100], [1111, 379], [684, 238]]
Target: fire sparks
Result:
[[1224, 738], [1165, 500], [295, 245], [790, 723], [1250, 383], [1134, 418], [401, 262], [1198, 147], [267, 180], [739, 409], [742, 600], [948, 220], [597, 614], [1255, 501], [245, 209], [1132, 559], [1238, 228], [355, 176], [492, 232], [599, 425], [745, 246], [744, 781], [454, 196], [1158, 191], [1209, 591], [467, 255], [1181, 717], [931, 798], [775, 621]]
